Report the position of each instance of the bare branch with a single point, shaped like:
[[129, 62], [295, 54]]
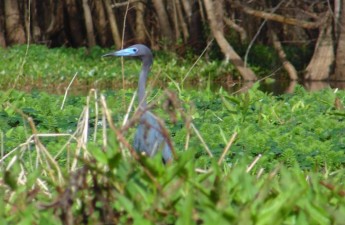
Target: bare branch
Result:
[[280, 18]]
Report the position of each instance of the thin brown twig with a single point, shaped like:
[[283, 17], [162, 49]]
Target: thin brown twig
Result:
[[202, 140], [261, 171], [227, 147], [123, 140], [250, 167], [95, 95], [197, 60], [333, 188], [40, 147], [122, 60], [67, 89]]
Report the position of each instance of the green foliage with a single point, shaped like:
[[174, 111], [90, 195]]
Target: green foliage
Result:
[[261, 58], [299, 55], [109, 188], [54, 64], [41, 66], [296, 131], [291, 128], [302, 129], [298, 178]]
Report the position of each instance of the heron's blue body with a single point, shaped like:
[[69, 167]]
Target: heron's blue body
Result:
[[149, 138]]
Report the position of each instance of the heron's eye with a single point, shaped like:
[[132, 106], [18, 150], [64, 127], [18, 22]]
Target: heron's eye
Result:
[[135, 50]]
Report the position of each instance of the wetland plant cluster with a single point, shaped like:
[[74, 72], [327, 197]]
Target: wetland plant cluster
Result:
[[71, 165], [63, 180], [44, 65]]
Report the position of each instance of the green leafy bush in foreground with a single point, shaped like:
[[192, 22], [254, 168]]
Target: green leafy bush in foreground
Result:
[[110, 189], [64, 180]]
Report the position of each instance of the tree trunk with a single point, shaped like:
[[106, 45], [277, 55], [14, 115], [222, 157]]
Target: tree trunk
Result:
[[91, 41], [101, 25], [319, 67], [340, 51], [163, 21], [224, 45], [337, 12], [139, 22], [2, 40], [113, 24], [75, 23], [14, 29], [2, 27], [56, 22], [282, 56], [175, 21], [182, 21], [237, 28], [196, 39], [316, 85], [36, 30], [27, 21], [187, 8]]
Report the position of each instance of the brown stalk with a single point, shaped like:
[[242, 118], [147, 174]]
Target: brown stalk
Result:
[[202, 140], [333, 188], [227, 147], [40, 147], [250, 167], [123, 141]]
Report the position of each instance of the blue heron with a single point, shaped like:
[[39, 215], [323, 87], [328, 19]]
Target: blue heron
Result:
[[149, 137]]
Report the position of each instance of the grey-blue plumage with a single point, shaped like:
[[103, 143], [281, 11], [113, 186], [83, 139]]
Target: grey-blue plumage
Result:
[[149, 137]]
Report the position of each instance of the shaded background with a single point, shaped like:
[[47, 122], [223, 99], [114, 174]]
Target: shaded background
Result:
[[308, 37]]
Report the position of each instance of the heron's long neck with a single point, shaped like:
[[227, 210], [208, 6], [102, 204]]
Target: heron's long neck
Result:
[[142, 84]]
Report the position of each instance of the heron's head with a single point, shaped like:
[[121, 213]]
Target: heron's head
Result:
[[138, 50]]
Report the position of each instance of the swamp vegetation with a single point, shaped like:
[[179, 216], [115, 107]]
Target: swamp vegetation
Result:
[[244, 158]]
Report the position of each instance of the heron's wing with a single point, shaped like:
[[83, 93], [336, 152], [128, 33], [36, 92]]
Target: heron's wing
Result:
[[149, 138]]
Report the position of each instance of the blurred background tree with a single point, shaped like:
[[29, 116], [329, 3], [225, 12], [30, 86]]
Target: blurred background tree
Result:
[[317, 27]]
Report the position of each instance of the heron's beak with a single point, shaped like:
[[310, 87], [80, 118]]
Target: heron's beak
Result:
[[108, 54], [123, 52]]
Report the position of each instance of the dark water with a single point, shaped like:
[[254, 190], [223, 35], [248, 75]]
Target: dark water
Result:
[[285, 86], [277, 87], [80, 88], [280, 87]]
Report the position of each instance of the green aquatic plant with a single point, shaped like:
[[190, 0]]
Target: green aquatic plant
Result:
[[305, 127], [43, 66], [283, 165], [247, 158]]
